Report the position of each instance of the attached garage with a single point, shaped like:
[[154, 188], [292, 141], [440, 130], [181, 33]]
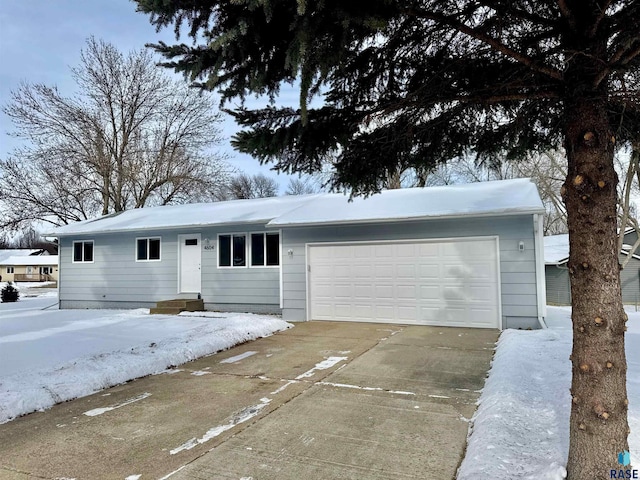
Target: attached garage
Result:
[[454, 282], [461, 255]]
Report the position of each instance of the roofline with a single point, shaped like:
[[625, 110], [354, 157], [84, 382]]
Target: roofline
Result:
[[561, 262], [171, 227], [406, 219], [267, 222], [557, 264]]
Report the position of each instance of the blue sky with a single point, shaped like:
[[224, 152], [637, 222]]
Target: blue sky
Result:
[[41, 39]]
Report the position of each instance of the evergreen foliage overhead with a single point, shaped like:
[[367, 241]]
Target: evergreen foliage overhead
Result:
[[410, 83]]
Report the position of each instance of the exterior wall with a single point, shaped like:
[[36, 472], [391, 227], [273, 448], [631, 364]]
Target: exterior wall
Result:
[[557, 280], [116, 280], [517, 269], [631, 237], [559, 289], [630, 281]]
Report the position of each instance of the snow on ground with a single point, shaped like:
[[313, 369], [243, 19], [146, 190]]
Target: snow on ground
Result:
[[521, 427], [49, 356]]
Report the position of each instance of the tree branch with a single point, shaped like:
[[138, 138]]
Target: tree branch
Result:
[[493, 42]]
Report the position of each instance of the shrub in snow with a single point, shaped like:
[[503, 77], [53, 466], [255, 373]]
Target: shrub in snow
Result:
[[9, 293]]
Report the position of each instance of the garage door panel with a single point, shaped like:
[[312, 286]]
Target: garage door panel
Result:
[[364, 251], [344, 292], [384, 271], [454, 293], [407, 313], [406, 292], [429, 292], [427, 250], [429, 271], [453, 283], [385, 313], [363, 292], [405, 270], [383, 251], [384, 292]]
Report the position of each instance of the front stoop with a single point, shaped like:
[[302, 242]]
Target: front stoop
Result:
[[174, 307]]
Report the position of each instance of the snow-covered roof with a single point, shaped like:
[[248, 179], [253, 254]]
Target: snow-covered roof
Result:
[[34, 260], [556, 249], [259, 210], [16, 252], [503, 197]]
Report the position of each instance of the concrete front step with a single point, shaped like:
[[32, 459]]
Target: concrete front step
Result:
[[174, 307]]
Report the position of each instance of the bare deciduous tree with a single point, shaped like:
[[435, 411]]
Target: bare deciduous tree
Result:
[[243, 186], [130, 138], [302, 186]]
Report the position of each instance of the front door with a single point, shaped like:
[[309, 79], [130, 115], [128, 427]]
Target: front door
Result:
[[189, 268]]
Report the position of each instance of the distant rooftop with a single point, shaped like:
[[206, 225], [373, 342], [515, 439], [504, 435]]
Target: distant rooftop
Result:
[[17, 252], [35, 260]]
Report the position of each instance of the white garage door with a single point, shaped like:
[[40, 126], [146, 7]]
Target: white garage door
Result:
[[450, 283]]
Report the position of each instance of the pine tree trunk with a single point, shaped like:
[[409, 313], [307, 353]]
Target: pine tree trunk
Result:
[[598, 425]]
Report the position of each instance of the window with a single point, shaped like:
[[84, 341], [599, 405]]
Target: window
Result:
[[46, 270], [265, 249], [232, 250], [83, 251], [9, 269], [147, 249]]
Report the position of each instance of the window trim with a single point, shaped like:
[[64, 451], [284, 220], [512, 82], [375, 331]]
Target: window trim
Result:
[[264, 249], [13, 269], [146, 260], [247, 240], [73, 249]]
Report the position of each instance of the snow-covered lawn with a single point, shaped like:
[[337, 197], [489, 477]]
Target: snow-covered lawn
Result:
[[521, 427], [49, 355]]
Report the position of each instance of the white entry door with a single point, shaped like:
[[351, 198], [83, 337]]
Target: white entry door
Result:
[[189, 274], [431, 282]]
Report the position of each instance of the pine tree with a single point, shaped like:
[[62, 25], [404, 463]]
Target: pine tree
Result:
[[9, 293], [415, 83]]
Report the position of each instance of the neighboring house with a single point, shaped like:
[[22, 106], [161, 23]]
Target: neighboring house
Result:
[[29, 268], [462, 255], [556, 256]]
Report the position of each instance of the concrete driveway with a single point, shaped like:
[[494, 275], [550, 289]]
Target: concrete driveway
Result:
[[324, 400]]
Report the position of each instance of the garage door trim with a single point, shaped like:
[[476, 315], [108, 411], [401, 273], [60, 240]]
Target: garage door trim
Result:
[[494, 238]]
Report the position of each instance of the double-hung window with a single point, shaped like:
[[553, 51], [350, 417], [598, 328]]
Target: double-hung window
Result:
[[232, 250], [265, 249], [83, 251], [9, 269], [147, 249]]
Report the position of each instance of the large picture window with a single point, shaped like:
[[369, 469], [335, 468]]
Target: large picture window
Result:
[[147, 249], [83, 251], [232, 250], [265, 249]]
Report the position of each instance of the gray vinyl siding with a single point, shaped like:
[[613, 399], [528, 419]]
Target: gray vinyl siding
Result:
[[517, 269], [630, 280], [557, 279], [116, 280], [559, 289]]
